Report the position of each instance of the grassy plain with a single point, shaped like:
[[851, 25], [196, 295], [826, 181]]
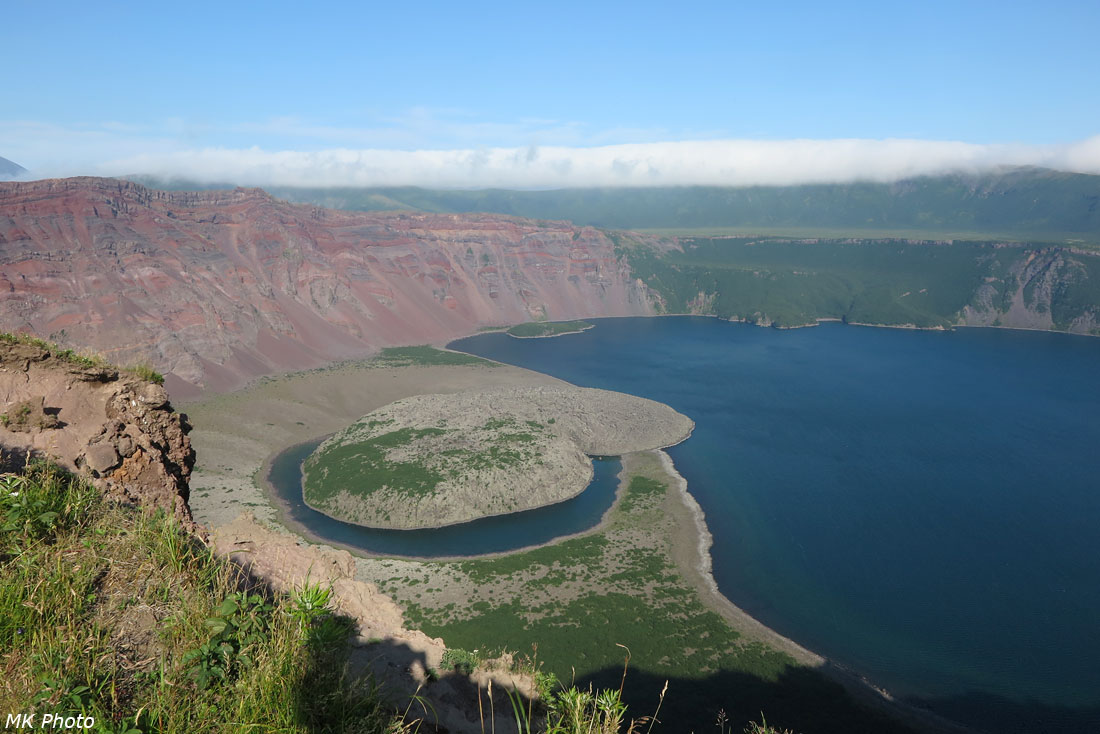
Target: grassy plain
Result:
[[1037, 204], [425, 356]]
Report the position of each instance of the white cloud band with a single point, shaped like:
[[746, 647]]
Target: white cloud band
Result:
[[713, 162]]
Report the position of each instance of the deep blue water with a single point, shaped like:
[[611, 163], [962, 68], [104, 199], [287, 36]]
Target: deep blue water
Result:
[[920, 506], [487, 535]]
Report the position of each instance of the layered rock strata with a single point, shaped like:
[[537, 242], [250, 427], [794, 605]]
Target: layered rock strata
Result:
[[216, 287]]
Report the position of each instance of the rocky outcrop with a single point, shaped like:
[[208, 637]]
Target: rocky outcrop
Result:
[[112, 426], [1036, 292], [216, 287]]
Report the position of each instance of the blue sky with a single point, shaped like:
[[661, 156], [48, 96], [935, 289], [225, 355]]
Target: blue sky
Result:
[[205, 89]]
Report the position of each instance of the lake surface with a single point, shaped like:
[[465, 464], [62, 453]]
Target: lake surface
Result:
[[920, 506], [487, 535]]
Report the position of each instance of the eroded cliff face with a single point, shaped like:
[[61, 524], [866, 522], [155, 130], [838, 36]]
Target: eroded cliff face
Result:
[[1040, 290], [115, 428], [216, 287]]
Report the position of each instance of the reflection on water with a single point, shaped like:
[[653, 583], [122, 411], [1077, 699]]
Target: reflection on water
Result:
[[488, 535]]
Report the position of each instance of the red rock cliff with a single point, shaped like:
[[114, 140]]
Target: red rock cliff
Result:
[[216, 287]]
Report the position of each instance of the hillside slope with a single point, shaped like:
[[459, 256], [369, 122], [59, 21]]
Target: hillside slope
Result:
[[784, 282], [10, 168], [1026, 203], [217, 287]]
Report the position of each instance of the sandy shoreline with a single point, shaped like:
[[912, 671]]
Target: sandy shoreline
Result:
[[696, 565]]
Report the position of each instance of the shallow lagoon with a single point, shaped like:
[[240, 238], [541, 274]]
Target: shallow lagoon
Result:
[[919, 506]]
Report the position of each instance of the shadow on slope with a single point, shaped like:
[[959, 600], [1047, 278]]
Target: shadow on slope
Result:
[[801, 700], [998, 715]]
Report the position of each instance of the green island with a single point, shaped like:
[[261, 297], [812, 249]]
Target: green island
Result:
[[433, 460], [535, 329], [381, 475]]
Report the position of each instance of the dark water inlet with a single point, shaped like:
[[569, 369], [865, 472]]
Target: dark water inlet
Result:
[[488, 535]]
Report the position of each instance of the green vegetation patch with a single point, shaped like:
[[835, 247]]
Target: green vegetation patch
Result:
[[548, 328], [144, 371], [374, 457], [364, 467], [1039, 204], [426, 356], [67, 355], [643, 493]]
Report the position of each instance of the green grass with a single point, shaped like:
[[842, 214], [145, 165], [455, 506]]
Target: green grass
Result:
[[878, 233], [146, 372], [426, 356], [143, 371], [548, 328], [117, 614], [67, 355], [364, 467]]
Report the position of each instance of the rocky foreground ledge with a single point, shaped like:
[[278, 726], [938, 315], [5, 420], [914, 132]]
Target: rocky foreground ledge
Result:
[[113, 426], [434, 460]]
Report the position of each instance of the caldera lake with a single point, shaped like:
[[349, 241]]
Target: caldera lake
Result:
[[921, 507]]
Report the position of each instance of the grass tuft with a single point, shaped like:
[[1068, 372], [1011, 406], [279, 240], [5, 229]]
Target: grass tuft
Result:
[[67, 355], [146, 372]]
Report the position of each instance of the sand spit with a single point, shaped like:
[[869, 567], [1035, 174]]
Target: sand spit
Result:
[[551, 336], [696, 564]]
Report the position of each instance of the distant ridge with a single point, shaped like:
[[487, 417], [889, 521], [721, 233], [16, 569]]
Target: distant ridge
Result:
[[10, 168], [1024, 203]]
